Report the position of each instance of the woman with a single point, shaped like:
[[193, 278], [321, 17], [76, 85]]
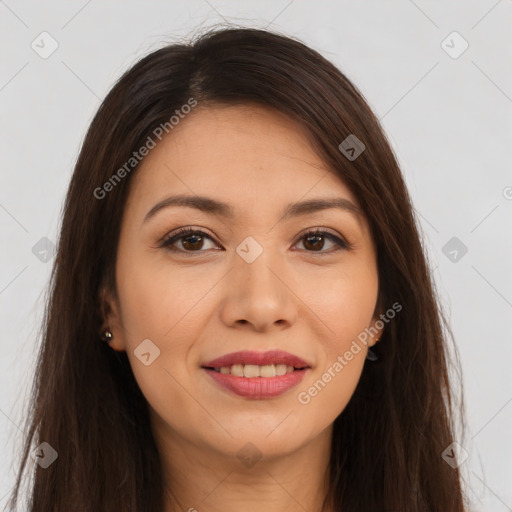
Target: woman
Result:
[[241, 313]]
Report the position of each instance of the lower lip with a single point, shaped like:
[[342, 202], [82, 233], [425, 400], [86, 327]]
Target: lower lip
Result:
[[258, 387]]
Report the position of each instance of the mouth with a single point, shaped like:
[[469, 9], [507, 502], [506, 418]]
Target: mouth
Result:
[[257, 375], [278, 359]]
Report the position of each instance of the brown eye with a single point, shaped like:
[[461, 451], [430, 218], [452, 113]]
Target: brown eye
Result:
[[314, 241], [191, 240]]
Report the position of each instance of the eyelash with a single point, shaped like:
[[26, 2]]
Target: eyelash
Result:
[[184, 232]]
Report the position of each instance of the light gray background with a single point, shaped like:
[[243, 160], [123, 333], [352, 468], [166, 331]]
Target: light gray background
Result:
[[448, 120]]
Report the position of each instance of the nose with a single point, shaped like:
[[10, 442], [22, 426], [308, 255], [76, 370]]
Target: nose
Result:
[[258, 296]]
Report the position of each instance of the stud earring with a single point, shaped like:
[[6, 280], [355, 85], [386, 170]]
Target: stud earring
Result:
[[107, 335]]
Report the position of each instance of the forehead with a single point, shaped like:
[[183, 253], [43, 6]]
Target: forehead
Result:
[[243, 154]]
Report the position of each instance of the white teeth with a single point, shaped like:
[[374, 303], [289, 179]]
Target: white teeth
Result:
[[252, 370], [237, 370], [280, 369], [268, 370]]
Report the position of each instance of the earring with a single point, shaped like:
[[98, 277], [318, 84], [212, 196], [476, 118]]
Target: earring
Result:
[[371, 355], [107, 335]]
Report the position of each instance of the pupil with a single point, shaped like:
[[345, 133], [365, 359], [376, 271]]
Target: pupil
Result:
[[316, 239], [193, 244]]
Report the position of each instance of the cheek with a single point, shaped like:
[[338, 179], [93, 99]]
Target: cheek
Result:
[[159, 300], [345, 306], [329, 392], [158, 305], [345, 302], [168, 306]]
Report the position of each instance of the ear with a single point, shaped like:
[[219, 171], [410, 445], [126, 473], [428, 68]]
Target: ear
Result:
[[377, 325], [376, 329], [111, 318]]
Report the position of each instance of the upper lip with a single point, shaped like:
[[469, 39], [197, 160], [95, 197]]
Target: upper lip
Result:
[[257, 358]]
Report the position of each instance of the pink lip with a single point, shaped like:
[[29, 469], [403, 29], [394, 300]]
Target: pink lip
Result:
[[257, 358], [258, 387]]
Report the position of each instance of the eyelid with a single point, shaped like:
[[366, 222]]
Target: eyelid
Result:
[[321, 230], [182, 232]]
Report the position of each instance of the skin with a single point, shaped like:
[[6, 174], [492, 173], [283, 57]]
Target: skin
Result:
[[207, 302]]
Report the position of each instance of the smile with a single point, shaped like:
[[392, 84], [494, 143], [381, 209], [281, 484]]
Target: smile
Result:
[[257, 375]]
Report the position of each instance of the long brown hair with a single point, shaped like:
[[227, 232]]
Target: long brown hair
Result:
[[85, 402]]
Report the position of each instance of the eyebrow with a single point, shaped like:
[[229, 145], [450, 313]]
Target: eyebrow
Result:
[[215, 207]]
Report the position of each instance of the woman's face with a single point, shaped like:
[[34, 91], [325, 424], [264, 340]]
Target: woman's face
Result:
[[249, 278]]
